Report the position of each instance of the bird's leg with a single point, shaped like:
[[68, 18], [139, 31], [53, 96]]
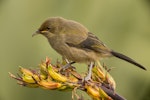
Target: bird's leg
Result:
[[88, 77], [67, 65]]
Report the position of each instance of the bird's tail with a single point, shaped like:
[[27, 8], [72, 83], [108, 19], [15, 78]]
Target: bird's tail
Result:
[[123, 57]]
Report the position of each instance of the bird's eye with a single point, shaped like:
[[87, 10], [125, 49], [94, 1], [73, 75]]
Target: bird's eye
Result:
[[48, 28]]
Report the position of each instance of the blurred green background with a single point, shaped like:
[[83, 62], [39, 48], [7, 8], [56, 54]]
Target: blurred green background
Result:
[[124, 25]]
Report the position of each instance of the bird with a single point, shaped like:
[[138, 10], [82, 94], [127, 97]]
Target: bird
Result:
[[73, 41]]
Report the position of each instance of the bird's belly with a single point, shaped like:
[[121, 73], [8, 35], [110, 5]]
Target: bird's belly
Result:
[[79, 55], [74, 53], [82, 56]]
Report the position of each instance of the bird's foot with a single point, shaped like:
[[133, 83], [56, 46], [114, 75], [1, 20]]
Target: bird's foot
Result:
[[68, 65], [87, 78], [89, 75]]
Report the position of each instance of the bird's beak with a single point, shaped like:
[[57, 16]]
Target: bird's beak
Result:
[[36, 33]]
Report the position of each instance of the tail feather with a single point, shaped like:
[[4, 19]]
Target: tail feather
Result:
[[123, 57]]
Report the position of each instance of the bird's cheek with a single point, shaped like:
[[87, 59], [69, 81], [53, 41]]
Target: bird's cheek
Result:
[[47, 34], [44, 32]]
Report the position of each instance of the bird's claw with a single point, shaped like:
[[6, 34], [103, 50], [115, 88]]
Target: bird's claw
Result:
[[86, 79], [68, 65]]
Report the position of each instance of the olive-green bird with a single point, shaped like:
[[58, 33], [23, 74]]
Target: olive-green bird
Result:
[[76, 43]]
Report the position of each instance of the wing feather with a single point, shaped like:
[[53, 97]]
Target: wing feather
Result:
[[91, 43]]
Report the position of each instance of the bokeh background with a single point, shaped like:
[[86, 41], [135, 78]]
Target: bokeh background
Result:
[[124, 25]]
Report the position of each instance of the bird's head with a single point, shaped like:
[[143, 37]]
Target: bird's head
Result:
[[50, 27]]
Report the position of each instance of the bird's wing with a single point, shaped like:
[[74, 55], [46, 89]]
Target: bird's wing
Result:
[[74, 33], [91, 43]]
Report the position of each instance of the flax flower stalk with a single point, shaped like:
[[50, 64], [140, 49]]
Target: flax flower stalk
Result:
[[48, 76]]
